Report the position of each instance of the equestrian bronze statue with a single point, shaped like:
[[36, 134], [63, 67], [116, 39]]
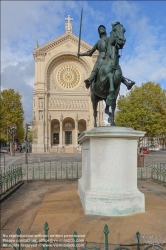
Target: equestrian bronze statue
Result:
[[106, 76]]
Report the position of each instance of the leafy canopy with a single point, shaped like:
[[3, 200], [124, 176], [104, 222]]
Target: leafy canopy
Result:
[[11, 114], [144, 108]]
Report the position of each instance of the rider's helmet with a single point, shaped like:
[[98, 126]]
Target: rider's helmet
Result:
[[99, 29]]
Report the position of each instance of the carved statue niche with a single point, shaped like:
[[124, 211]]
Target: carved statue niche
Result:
[[49, 117], [41, 115], [40, 103]]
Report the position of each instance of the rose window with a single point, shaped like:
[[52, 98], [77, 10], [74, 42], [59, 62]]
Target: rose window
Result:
[[68, 77]]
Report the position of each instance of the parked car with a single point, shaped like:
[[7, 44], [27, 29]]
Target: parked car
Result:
[[162, 149], [153, 148], [3, 151], [144, 150]]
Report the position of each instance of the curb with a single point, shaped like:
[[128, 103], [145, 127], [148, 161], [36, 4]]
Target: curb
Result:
[[9, 192]]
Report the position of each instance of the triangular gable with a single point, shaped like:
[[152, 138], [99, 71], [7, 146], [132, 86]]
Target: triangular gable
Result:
[[60, 40]]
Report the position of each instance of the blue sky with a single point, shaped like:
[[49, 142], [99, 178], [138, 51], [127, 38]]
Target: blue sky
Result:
[[25, 22]]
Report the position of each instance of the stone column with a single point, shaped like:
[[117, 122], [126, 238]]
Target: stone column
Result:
[[76, 132], [40, 132], [61, 131], [49, 131], [60, 135], [47, 123], [50, 136], [100, 113]]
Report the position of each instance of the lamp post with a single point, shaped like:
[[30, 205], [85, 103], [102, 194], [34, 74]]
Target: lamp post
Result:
[[7, 141], [12, 131], [27, 142]]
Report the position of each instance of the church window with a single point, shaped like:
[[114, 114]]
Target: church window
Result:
[[68, 77], [81, 126], [68, 137], [56, 126], [56, 138], [68, 125]]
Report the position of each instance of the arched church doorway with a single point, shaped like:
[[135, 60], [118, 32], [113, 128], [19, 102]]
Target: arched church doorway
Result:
[[55, 132], [68, 131]]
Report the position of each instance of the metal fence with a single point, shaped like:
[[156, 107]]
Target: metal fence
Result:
[[11, 176], [152, 171], [73, 170], [75, 241], [52, 171]]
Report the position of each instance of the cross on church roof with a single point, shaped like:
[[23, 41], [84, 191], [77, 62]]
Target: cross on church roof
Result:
[[68, 24]]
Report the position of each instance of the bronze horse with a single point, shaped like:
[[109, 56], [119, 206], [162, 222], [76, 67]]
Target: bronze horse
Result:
[[106, 85]]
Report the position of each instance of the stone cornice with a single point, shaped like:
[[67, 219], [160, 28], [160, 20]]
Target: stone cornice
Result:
[[51, 93], [42, 50], [40, 92]]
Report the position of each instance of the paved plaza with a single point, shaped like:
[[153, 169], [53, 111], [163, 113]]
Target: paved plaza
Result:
[[155, 156], [33, 158], [58, 203]]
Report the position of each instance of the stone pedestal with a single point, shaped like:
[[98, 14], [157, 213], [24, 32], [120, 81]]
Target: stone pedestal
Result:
[[108, 185]]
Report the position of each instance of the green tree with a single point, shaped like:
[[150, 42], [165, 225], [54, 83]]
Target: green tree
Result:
[[30, 136], [11, 114], [144, 108]]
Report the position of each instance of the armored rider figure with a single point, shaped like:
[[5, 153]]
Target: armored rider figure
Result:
[[101, 46]]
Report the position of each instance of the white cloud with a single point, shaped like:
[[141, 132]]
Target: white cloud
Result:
[[158, 74], [144, 57], [124, 10], [30, 81], [19, 77], [25, 22]]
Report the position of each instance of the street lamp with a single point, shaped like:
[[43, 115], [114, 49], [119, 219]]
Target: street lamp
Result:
[[27, 129], [12, 132]]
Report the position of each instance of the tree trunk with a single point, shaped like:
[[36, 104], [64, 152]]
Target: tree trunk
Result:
[[11, 148]]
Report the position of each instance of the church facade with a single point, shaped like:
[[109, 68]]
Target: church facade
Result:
[[62, 107]]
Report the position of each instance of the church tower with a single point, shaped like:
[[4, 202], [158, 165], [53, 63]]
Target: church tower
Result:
[[62, 107]]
